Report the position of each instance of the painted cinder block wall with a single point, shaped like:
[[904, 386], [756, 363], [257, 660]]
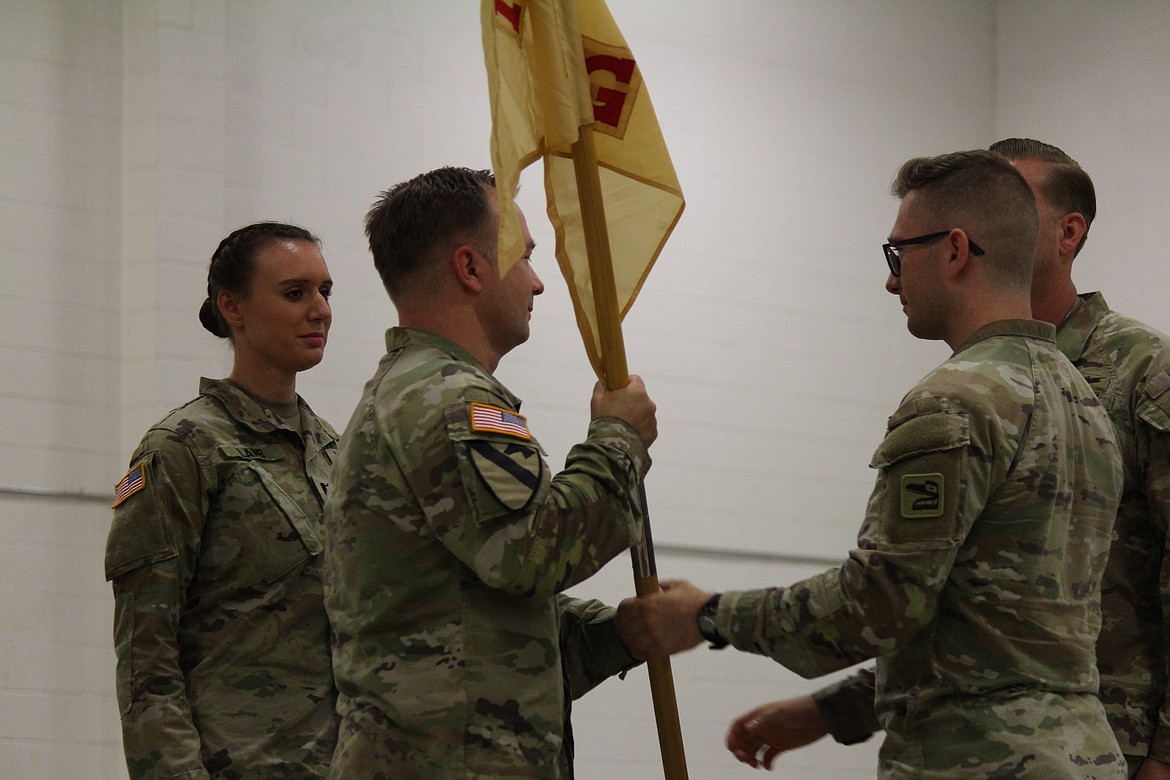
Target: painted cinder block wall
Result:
[[135, 134]]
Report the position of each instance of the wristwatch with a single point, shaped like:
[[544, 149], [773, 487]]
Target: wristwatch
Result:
[[708, 625]]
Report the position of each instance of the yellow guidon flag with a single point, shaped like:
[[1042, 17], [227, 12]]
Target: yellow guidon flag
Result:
[[556, 67], [565, 87]]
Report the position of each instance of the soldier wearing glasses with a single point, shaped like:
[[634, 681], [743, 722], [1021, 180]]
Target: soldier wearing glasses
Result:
[[1127, 364], [976, 580]]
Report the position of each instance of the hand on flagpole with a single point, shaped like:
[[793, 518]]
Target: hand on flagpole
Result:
[[539, 56], [661, 624], [629, 403]]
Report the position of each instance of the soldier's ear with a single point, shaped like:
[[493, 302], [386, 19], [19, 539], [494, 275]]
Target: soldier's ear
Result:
[[1072, 229], [229, 307], [470, 268], [959, 251]]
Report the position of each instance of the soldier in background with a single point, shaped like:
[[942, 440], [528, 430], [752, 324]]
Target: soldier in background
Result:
[[215, 547], [449, 541], [1128, 366], [976, 579]]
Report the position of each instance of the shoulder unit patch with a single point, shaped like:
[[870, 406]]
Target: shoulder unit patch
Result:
[[512, 472], [922, 495]]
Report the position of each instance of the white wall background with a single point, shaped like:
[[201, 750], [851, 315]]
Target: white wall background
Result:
[[135, 134]]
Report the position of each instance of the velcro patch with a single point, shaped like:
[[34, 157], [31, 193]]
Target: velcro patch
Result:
[[133, 481], [493, 419], [1158, 384], [511, 472], [922, 495]]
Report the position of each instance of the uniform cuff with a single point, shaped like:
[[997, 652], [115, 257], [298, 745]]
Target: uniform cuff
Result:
[[616, 432], [848, 708]]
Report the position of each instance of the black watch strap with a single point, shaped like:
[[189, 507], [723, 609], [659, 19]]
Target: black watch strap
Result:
[[708, 623]]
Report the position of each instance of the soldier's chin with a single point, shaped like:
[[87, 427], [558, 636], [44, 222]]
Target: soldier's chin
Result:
[[311, 359], [920, 330]]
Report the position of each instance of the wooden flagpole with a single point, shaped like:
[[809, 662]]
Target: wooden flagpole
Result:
[[616, 376]]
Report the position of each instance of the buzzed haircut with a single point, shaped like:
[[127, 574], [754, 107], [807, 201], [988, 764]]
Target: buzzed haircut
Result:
[[981, 192], [1065, 184], [413, 219]]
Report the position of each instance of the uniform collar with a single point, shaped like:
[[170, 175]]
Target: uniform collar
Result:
[[1073, 336], [401, 337], [242, 408], [1033, 329]]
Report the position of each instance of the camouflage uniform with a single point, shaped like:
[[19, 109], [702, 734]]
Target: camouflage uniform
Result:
[[448, 542], [976, 579], [220, 627], [1127, 365]]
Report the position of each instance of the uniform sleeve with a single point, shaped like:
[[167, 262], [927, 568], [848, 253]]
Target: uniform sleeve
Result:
[[150, 557], [591, 648], [848, 707], [526, 532], [927, 493], [1152, 434]]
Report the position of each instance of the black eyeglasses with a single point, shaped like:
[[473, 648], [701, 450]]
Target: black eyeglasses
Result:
[[894, 257]]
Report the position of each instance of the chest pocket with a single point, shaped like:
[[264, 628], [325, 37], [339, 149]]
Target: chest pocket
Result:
[[263, 526], [1154, 402]]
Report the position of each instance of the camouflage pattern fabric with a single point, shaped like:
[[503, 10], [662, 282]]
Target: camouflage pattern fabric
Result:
[[447, 544], [847, 707], [591, 652], [1127, 365], [976, 581], [591, 649], [220, 626]]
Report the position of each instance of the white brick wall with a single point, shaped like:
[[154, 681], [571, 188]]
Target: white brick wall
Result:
[[135, 134]]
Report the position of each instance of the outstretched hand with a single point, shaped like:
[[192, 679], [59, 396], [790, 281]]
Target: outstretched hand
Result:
[[758, 736]]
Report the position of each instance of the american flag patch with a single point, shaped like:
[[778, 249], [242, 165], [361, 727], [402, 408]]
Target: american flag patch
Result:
[[497, 420], [130, 484]]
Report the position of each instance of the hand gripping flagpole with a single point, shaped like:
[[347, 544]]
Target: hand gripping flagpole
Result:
[[617, 376]]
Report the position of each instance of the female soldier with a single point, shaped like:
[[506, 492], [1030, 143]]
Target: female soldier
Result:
[[215, 548]]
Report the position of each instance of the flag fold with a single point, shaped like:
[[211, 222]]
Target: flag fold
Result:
[[556, 68]]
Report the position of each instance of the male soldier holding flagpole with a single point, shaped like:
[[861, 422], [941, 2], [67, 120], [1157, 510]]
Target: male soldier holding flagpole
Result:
[[449, 541]]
